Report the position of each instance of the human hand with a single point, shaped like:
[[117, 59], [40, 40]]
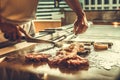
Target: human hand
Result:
[[80, 25], [12, 32]]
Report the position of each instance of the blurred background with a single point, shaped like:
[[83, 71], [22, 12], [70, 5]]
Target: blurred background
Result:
[[59, 14]]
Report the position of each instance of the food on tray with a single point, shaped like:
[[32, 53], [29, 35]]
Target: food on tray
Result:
[[71, 62], [39, 57], [63, 52], [85, 52], [74, 49], [54, 61], [100, 46], [13, 58], [10, 58]]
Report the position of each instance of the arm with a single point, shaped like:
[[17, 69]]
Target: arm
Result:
[[12, 17], [12, 32], [80, 25], [75, 6]]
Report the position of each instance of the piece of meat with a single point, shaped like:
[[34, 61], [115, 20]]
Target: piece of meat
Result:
[[63, 52], [37, 57], [10, 58], [72, 62], [54, 61], [74, 49]]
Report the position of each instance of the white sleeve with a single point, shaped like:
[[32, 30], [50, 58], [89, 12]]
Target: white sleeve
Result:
[[29, 28]]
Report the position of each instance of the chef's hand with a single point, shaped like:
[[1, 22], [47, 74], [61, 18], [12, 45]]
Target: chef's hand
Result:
[[81, 24], [12, 32]]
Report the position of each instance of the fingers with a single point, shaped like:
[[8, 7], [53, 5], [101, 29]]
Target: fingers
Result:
[[85, 28], [11, 32], [80, 29], [77, 25], [11, 36], [80, 25], [18, 34], [6, 36]]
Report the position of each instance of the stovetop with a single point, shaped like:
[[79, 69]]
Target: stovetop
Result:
[[103, 64]]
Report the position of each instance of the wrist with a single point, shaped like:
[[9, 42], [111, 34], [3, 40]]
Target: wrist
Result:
[[80, 14]]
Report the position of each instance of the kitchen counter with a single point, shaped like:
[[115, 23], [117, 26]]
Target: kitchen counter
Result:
[[17, 46], [23, 44], [104, 65]]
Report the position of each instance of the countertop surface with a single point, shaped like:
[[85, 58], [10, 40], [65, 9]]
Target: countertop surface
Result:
[[104, 65]]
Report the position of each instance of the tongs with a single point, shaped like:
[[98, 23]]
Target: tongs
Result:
[[35, 40], [55, 43], [29, 39]]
